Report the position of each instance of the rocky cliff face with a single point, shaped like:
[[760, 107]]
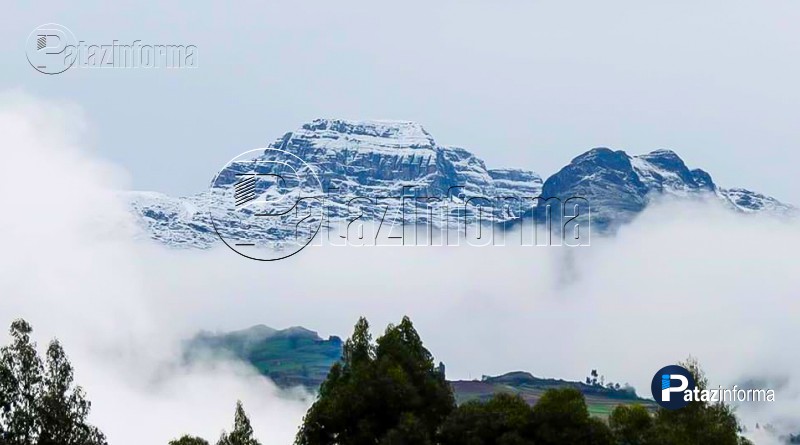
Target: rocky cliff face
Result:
[[374, 170], [619, 186], [395, 169]]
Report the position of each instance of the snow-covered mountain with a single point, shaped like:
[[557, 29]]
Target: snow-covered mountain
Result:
[[619, 186], [384, 170]]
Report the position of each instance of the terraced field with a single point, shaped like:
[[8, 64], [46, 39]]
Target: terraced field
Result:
[[601, 401]]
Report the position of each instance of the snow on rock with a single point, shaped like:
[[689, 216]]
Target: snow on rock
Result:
[[392, 169]]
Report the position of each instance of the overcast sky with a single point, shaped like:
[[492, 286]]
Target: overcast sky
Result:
[[520, 83]]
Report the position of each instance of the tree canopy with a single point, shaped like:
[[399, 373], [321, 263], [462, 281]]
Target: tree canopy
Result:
[[385, 392], [242, 433], [698, 422], [388, 392], [40, 404], [504, 419], [382, 392], [188, 440]]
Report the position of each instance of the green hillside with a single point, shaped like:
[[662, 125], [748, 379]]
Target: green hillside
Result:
[[300, 357], [601, 400], [291, 357]]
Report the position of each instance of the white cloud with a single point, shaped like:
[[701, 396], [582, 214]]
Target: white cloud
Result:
[[683, 279], [70, 267]]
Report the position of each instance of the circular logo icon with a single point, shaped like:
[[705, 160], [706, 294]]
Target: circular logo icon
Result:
[[669, 386], [266, 204], [51, 48]]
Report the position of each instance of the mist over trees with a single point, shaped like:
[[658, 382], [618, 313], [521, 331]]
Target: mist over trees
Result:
[[241, 434], [39, 401], [382, 392]]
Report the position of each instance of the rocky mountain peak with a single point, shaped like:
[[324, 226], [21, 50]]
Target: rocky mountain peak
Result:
[[376, 159]]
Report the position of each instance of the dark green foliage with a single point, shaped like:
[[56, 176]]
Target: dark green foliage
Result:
[[40, 404], [599, 432], [698, 422], [242, 433], [408, 431], [561, 417], [188, 440], [631, 424], [387, 392], [63, 409], [503, 419], [21, 386], [289, 357]]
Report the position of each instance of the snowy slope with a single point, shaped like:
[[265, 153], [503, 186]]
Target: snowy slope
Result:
[[395, 170], [619, 186], [390, 170]]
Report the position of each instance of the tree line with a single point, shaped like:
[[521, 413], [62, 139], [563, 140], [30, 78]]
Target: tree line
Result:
[[382, 392], [39, 402], [388, 392]]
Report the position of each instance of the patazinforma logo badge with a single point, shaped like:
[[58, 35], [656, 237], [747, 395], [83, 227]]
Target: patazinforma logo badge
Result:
[[669, 386]]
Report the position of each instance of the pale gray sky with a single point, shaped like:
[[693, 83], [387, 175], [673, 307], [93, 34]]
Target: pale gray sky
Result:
[[520, 83]]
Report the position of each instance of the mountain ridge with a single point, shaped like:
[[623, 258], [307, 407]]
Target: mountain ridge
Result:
[[387, 160]]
